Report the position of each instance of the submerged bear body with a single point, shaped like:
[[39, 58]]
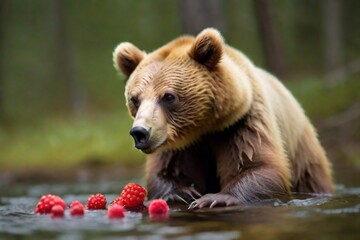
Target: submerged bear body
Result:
[[217, 129]]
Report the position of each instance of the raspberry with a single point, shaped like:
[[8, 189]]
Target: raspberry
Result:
[[76, 202], [116, 211], [57, 211], [77, 209], [138, 208], [96, 201], [133, 195], [158, 209], [117, 201], [46, 202]]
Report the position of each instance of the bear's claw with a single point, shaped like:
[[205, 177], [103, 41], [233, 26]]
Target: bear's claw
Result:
[[212, 200]]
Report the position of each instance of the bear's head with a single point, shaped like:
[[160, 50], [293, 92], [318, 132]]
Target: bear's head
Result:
[[181, 91]]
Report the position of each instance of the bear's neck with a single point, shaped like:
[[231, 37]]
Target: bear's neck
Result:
[[233, 91]]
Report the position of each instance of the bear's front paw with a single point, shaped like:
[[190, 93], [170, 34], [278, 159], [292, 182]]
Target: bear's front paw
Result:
[[212, 200]]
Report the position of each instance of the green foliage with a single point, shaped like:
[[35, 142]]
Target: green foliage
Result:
[[53, 143], [93, 30], [321, 101]]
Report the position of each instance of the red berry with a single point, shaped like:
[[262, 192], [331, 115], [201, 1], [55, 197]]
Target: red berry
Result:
[[76, 202], [77, 210], [138, 208], [133, 195], [116, 211], [46, 202], [117, 201], [57, 211], [97, 201], [158, 208]]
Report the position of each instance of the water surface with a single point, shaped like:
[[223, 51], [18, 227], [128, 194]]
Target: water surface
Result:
[[304, 217]]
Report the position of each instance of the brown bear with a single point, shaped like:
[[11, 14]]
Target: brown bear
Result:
[[217, 129]]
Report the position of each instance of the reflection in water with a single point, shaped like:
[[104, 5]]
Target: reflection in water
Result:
[[336, 217]]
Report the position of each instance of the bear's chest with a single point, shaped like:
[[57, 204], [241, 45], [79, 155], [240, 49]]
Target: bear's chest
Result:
[[194, 166]]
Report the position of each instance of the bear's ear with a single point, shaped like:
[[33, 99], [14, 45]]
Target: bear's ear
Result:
[[126, 57], [207, 48]]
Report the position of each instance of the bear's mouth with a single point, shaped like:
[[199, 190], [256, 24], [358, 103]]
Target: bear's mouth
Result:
[[147, 150], [152, 149]]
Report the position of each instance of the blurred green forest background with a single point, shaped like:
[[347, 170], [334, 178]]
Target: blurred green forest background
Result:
[[62, 103]]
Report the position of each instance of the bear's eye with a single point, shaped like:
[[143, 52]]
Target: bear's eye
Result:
[[169, 98], [135, 101]]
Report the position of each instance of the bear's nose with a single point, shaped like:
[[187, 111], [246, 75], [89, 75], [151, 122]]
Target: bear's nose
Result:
[[141, 136]]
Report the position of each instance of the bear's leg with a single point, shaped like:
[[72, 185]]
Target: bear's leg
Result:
[[251, 185], [251, 165], [311, 169], [166, 180]]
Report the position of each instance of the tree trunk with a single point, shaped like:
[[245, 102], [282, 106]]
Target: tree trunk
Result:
[[333, 52], [274, 57], [64, 69], [199, 14], [2, 36]]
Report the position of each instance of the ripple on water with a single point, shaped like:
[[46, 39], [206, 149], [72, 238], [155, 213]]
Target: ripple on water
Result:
[[313, 201]]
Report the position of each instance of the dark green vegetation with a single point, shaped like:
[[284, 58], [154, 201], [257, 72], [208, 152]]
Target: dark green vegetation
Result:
[[62, 102]]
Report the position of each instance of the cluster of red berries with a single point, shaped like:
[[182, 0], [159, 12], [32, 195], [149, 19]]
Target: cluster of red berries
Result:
[[49, 201], [131, 198]]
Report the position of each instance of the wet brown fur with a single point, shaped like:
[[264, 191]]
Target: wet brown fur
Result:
[[241, 132]]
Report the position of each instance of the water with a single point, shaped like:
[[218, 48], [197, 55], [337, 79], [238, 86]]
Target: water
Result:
[[305, 217]]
